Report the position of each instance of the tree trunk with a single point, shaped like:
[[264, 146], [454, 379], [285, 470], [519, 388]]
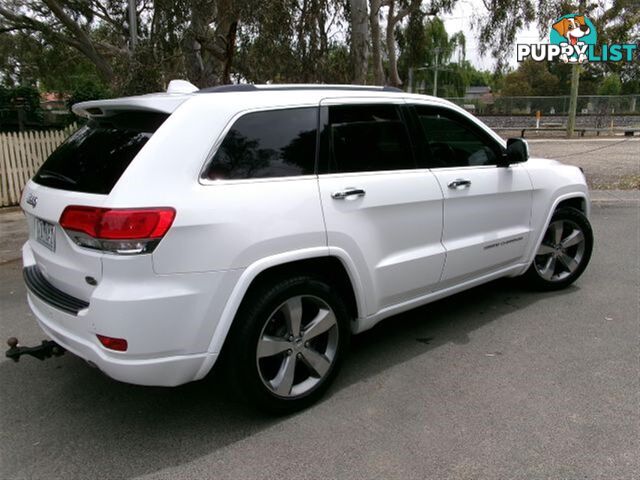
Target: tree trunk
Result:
[[359, 40], [392, 21], [376, 55], [208, 53]]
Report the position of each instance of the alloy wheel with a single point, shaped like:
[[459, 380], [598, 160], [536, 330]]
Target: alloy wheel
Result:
[[297, 346], [561, 251]]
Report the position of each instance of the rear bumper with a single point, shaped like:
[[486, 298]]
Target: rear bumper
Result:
[[40, 287], [167, 320], [164, 371]]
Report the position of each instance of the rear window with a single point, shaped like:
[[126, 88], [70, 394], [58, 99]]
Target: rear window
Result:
[[93, 158]]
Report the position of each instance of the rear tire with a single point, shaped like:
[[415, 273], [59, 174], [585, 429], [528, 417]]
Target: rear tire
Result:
[[287, 344], [564, 253]]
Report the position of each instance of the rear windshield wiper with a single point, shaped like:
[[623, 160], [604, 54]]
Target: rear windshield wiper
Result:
[[56, 175]]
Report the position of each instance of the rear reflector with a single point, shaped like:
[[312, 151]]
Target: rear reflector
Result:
[[119, 344], [124, 231], [118, 224]]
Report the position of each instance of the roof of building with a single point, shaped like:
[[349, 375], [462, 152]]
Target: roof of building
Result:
[[478, 89]]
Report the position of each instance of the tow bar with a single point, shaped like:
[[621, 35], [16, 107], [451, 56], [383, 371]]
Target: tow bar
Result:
[[47, 349]]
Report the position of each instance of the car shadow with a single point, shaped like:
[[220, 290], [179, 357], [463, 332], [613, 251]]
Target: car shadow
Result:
[[451, 320], [62, 412]]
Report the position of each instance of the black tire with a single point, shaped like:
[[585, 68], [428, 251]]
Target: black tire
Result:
[[259, 312], [537, 276]]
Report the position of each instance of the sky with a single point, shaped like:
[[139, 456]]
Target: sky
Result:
[[462, 19]]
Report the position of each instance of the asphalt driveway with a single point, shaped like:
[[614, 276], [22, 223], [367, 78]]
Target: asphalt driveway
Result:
[[497, 382]]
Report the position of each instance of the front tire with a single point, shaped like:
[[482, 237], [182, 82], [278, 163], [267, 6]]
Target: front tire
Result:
[[564, 253], [287, 344]]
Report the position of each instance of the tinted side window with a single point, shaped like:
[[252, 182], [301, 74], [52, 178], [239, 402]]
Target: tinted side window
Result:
[[94, 158], [453, 140], [364, 138], [276, 143]]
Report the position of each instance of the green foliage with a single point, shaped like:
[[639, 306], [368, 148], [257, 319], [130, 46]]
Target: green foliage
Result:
[[64, 69], [454, 81], [475, 77], [336, 64], [412, 43], [531, 78], [438, 42], [27, 59], [611, 85], [136, 74], [276, 44], [631, 87], [496, 81], [87, 91], [421, 42], [86, 50], [19, 56], [617, 22], [19, 105], [27, 97]]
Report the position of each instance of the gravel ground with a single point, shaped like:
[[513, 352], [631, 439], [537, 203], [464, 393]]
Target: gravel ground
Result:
[[582, 121], [609, 163]]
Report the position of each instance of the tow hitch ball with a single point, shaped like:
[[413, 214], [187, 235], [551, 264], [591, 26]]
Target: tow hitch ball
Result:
[[47, 349]]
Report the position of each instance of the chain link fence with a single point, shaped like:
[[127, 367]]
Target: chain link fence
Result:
[[598, 105]]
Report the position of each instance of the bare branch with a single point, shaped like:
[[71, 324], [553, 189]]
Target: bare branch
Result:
[[103, 14], [22, 22], [68, 22], [78, 38]]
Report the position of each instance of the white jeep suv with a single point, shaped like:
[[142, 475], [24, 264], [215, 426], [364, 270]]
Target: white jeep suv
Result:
[[263, 225]]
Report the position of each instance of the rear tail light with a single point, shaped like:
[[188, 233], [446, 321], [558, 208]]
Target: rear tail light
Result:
[[119, 344], [123, 231]]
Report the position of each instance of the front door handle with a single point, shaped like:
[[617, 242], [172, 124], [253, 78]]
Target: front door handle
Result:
[[348, 192], [460, 183]]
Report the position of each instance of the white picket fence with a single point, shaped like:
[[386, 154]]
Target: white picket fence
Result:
[[21, 154]]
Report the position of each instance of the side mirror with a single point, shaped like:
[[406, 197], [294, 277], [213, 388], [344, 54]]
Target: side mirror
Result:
[[517, 151]]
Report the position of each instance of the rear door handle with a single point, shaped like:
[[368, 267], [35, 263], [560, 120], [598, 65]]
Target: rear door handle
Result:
[[348, 192], [460, 183]]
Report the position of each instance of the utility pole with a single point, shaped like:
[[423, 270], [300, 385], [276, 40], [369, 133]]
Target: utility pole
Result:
[[575, 81], [133, 24], [435, 67], [435, 73], [573, 99]]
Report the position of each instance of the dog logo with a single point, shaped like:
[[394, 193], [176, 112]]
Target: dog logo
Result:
[[32, 200], [576, 31], [573, 39]]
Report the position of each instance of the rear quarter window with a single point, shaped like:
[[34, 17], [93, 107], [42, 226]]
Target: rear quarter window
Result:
[[94, 158], [266, 144]]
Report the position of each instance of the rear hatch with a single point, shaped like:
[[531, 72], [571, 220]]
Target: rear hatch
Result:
[[81, 172]]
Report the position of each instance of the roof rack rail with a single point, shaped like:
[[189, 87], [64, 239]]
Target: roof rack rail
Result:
[[247, 87], [238, 87]]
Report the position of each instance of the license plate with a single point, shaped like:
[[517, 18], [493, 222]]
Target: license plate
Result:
[[46, 234]]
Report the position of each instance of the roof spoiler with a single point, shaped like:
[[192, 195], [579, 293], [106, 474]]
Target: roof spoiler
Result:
[[149, 103]]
